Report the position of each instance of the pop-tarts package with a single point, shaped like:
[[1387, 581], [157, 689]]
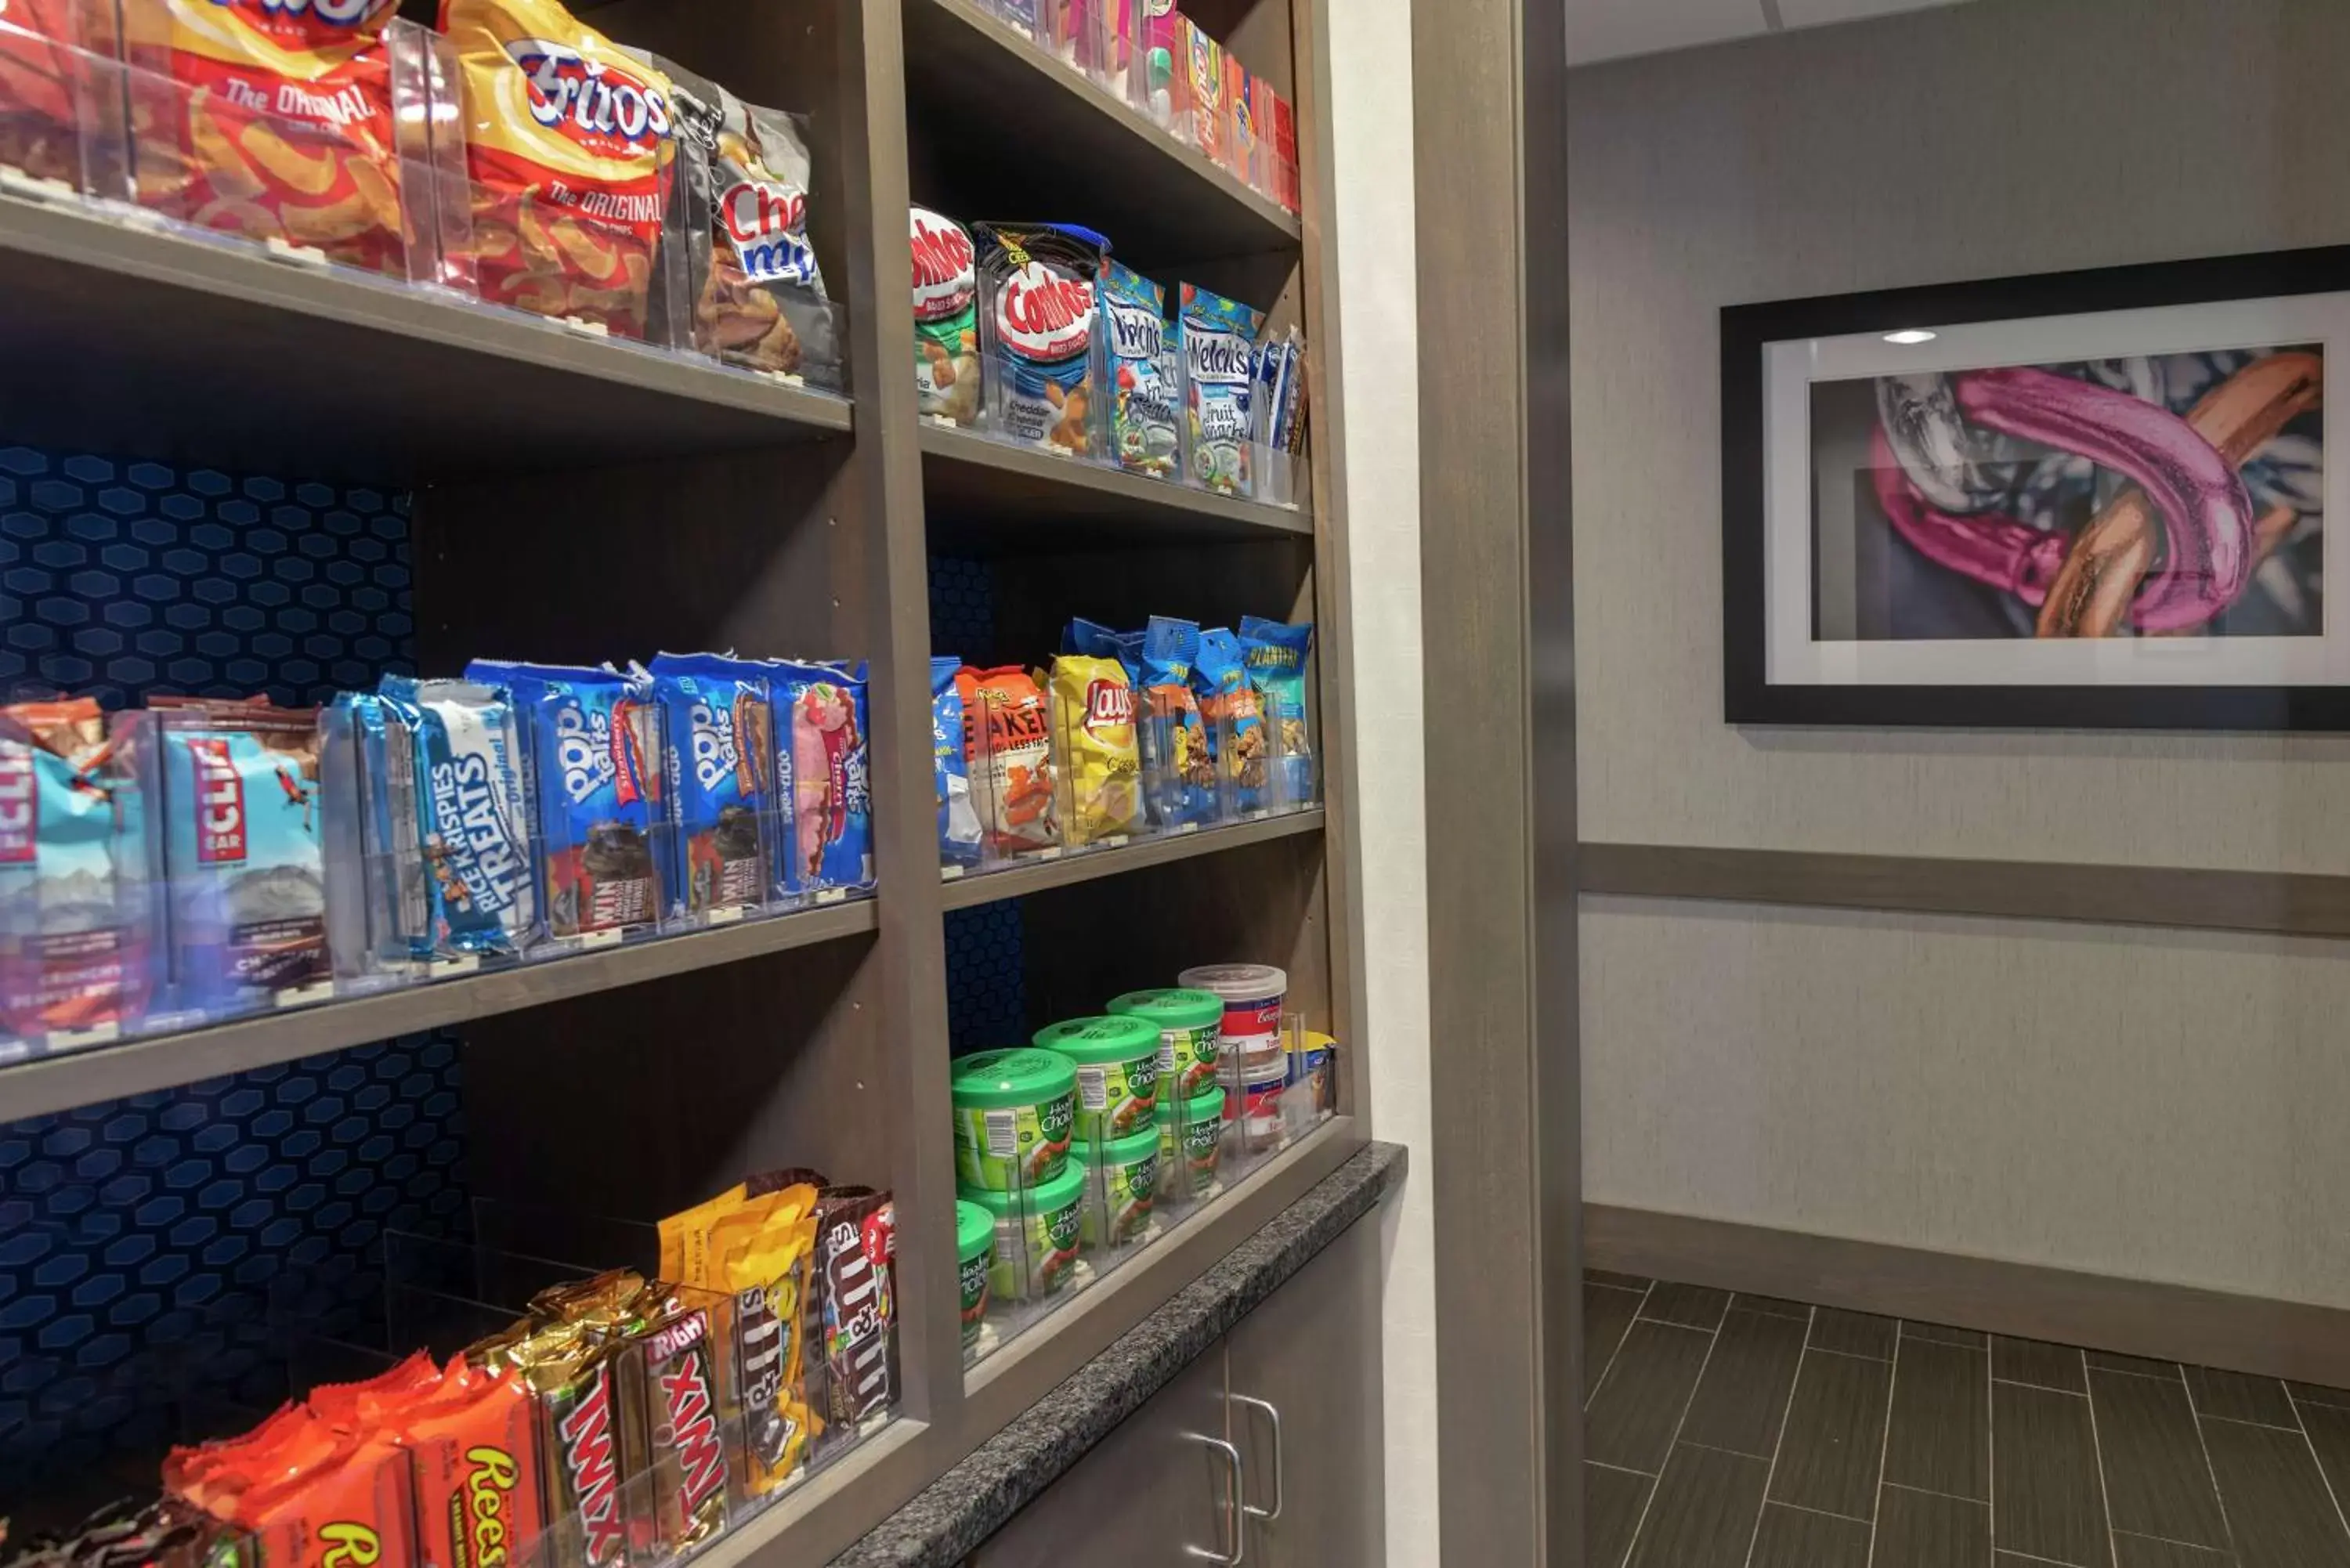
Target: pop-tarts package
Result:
[[1142, 365], [820, 761], [1216, 342], [950, 769], [1228, 705], [242, 850], [1275, 654], [723, 795], [592, 768], [471, 820], [1176, 754], [73, 933]]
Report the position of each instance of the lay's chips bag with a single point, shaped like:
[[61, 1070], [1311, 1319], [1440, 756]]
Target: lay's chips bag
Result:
[[1093, 710], [571, 150]]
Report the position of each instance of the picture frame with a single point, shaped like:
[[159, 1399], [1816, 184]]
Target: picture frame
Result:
[[2078, 500]]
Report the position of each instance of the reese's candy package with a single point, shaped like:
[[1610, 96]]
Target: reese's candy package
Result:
[[721, 786], [269, 121], [73, 938], [1229, 705], [1093, 713], [1217, 341], [241, 848], [470, 816], [1141, 364], [739, 205], [1178, 766], [946, 319], [821, 762], [476, 1469], [951, 769], [570, 149], [1036, 325], [591, 753], [1008, 735], [1275, 655]]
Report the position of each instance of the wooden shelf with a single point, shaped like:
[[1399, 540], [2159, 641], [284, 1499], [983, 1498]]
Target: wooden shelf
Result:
[[153, 344], [984, 496], [1067, 148], [48, 1083], [1037, 876]]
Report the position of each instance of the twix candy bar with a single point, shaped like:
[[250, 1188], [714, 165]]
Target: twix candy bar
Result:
[[581, 1436]]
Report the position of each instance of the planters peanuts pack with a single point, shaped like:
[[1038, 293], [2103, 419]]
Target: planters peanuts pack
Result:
[[1274, 655], [723, 799], [592, 752], [471, 822], [820, 764], [1235, 724], [1177, 757]]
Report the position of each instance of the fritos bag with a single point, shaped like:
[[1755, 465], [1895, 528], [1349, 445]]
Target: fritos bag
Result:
[[570, 146], [270, 120]]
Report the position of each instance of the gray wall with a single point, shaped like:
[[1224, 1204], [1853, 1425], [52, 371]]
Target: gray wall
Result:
[[2168, 1107]]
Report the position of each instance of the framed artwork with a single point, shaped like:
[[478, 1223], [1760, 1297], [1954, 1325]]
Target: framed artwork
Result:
[[2082, 500]]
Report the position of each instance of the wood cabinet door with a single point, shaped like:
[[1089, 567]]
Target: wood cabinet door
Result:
[[1145, 1496], [1303, 1372]]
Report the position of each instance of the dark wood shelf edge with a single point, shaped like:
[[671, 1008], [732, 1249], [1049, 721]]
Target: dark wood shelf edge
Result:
[[953, 444], [63, 231], [969, 892], [50, 1084]]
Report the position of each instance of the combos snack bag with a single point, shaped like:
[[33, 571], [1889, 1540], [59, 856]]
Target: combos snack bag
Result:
[[722, 793], [1008, 736], [946, 319], [821, 766], [1218, 343], [1093, 711], [1275, 655], [1037, 318], [741, 198], [569, 144], [73, 946], [1142, 427], [270, 120], [1175, 745], [951, 769], [591, 754]]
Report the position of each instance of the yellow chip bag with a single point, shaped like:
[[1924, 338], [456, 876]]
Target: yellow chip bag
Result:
[[1093, 714]]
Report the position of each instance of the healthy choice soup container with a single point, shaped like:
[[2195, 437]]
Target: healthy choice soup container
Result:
[[1014, 1114], [1190, 1023], [1188, 1149], [1121, 1179], [974, 1248], [1252, 994], [1117, 1073], [1036, 1234]]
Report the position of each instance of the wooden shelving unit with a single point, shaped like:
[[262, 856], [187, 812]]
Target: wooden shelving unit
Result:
[[575, 500]]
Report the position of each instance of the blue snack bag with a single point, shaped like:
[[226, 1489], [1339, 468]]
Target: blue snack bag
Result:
[[1275, 654], [950, 769], [471, 820], [1098, 642], [1140, 362], [592, 771], [1228, 704], [721, 783], [1216, 345], [1176, 756], [820, 760], [371, 734]]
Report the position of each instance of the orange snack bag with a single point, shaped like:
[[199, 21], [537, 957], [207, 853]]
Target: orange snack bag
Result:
[[1008, 740], [50, 90], [364, 1406], [477, 1483], [352, 1511], [569, 146], [270, 120]]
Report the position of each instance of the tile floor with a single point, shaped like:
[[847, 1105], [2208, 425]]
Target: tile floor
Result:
[[1746, 1432]]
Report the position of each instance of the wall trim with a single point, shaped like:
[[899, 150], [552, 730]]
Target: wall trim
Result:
[[2136, 1317], [2282, 903]]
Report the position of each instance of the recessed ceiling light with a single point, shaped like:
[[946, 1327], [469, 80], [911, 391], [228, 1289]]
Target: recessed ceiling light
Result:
[[1909, 336]]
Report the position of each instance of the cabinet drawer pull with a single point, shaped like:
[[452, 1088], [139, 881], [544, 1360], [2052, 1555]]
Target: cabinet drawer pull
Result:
[[1272, 1414], [1231, 1508]]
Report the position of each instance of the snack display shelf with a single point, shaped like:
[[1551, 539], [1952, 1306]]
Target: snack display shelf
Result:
[[1051, 128], [144, 335], [987, 492], [1037, 874], [65, 1080]]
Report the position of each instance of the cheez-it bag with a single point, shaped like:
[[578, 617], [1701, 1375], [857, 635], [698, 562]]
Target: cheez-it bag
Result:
[[570, 148], [269, 119]]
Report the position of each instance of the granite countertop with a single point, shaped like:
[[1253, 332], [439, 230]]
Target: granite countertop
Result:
[[949, 1519]]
